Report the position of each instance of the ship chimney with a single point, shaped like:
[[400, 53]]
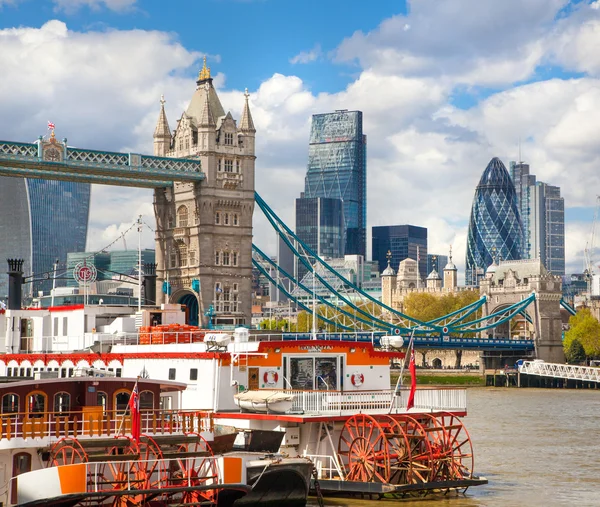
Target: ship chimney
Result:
[[150, 283], [15, 283]]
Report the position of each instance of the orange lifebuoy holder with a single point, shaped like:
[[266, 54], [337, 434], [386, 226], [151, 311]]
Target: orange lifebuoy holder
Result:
[[357, 379], [271, 377]]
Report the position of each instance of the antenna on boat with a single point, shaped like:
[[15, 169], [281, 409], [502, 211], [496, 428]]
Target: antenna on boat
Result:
[[314, 309], [139, 222]]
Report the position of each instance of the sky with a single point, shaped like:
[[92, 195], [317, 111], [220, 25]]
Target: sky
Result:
[[444, 86]]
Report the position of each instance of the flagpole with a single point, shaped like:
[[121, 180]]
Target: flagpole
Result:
[[127, 409], [399, 381]]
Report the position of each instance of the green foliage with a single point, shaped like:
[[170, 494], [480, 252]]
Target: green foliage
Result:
[[425, 306], [584, 329], [575, 354]]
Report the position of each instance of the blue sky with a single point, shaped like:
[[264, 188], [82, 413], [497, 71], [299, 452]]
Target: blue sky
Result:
[[444, 86]]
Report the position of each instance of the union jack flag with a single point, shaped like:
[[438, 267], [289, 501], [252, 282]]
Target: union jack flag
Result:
[[51, 126]]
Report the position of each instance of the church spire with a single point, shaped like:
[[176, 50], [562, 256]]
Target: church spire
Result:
[[246, 122], [206, 118]]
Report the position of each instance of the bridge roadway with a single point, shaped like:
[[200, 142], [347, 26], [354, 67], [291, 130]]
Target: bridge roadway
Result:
[[431, 342], [562, 371]]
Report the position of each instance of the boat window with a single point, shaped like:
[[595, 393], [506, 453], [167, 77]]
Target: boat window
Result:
[[172, 373], [10, 403], [118, 372], [146, 400], [121, 400], [101, 400], [193, 373], [36, 404], [62, 402], [326, 373], [302, 373]]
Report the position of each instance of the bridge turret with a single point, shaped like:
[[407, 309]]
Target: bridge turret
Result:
[[162, 132]]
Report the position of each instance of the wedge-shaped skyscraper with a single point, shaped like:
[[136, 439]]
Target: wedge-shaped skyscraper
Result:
[[495, 229]]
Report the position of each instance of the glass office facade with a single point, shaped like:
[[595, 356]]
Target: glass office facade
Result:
[[40, 221], [320, 226], [337, 168], [404, 241], [495, 229]]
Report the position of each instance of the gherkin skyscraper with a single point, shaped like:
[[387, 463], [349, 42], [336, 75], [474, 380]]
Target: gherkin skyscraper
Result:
[[495, 229]]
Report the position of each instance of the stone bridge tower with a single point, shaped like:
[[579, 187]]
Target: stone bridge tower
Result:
[[204, 229], [510, 282]]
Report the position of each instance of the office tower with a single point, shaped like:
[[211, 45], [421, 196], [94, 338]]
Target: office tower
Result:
[[320, 226], [404, 241], [40, 222], [337, 168], [495, 229], [542, 215]]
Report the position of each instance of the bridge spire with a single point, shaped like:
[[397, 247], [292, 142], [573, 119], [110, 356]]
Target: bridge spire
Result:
[[246, 122], [162, 132]]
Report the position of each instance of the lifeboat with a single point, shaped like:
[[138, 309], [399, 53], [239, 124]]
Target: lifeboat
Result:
[[264, 401]]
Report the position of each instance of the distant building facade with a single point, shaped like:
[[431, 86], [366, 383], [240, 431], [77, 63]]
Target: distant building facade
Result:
[[495, 228], [404, 242], [436, 263], [542, 212], [337, 168], [40, 222], [320, 226]]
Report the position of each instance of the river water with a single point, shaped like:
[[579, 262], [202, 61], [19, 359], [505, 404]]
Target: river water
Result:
[[537, 447]]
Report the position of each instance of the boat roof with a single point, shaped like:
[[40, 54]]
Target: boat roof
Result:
[[165, 385]]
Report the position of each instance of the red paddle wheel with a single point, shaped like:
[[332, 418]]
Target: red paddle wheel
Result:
[[67, 451], [195, 466]]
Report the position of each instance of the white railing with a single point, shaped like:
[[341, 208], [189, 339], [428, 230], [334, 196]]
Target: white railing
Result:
[[557, 370], [326, 465], [323, 402]]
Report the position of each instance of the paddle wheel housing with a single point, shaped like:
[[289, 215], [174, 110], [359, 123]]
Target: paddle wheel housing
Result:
[[405, 449]]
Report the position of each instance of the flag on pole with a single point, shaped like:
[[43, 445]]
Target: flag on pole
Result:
[[51, 126], [134, 407], [413, 380]]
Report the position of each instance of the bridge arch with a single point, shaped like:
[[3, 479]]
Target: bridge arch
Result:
[[189, 300]]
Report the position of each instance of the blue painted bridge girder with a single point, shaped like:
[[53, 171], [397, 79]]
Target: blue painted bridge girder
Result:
[[92, 166], [421, 342]]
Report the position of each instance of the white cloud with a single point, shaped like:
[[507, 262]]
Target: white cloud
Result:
[[307, 56], [70, 6]]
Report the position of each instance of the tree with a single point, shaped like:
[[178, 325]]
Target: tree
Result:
[[575, 353], [424, 306], [585, 329]]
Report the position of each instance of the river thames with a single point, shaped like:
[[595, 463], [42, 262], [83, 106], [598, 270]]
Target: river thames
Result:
[[537, 447]]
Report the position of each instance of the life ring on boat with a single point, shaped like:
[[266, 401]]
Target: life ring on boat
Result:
[[271, 377], [357, 379]]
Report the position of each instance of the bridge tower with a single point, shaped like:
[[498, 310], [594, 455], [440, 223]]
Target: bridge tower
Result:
[[204, 229], [509, 282]]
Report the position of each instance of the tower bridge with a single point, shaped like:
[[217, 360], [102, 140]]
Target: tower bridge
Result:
[[203, 175]]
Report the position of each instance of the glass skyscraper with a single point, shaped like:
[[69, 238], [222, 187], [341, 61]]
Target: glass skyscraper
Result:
[[41, 221], [320, 226], [542, 214], [404, 241], [337, 168], [495, 229]]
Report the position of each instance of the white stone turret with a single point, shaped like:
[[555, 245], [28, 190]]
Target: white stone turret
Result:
[[162, 132]]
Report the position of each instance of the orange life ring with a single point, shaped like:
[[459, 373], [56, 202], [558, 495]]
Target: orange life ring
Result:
[[357, 379], [271, 377]]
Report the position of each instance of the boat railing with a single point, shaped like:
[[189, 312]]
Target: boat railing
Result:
[[326, 465], [101, 423], [432, 399], [116, 479]]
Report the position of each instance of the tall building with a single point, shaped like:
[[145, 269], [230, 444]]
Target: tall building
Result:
[[542, 215], [40, 222], [404, 242], [320, 226], [495, 229], [204, 229], [337, 168]]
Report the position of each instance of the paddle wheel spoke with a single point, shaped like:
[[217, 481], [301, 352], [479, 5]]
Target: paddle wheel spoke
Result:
[[67, 451]]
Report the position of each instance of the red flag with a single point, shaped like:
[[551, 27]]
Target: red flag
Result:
[[413, 381], [50, 125], [134, 406]]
